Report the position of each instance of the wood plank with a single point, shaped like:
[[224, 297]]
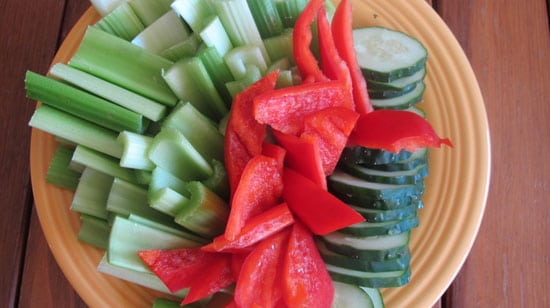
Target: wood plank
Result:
[[27, 30], [508, 45]]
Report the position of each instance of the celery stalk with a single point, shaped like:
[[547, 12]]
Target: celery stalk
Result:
[[168, 201], [213, 34], [94, 231], [91, 193], [101, 162], [194, 12], [104, 7], [280, 46], [121, 22], [165, 32], [135, 150], [148, 11], [218, 71], [161, 178], [186, 48], [59, 173], [266, 17], [239, 58]]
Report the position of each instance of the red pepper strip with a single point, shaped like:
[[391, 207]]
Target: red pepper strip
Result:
[[243, 131], [301, 40], [306, 279], [332, 64], [259, 189], [237, 260], [342, 32], [331, 127], [259, 283], [274, 151], [318, 209], [284, 109], [394, 130], [257, 229], [186, 268], [303, 155]]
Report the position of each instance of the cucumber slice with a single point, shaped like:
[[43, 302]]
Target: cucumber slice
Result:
[[388, 215], [386, 55], [373, 195], [366, 156], [375, 296], [368, 279], [350, 296], [378, 248], [399, 84], [410, 176], [419, 157], [383, 228], [401, 102], [389, 93]]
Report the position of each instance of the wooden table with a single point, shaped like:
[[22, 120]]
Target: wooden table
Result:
[[508, 44]]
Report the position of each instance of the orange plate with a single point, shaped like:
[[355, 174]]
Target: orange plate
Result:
[[456, 188]]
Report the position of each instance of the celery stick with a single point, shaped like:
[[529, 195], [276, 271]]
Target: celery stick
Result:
[[280, 46], [218, 181], [189, 79], [166, 31], [124, 64], [253, 73], [187, 48], [109, 91], [205, 214], [76, 130], [104, 7], [128, 237], [91, 193], [239, 23], [121, 22], [289, 10], [101, 162], [238, 58], [266, 17], [194, 12], [134, 154], [171, 151], [161, 178], [59, 173], [171, 228], [82, 104], [143, 177], [148, 11], [94, 231], [168, 201], [218, 71], [213, 35], [198, 129]]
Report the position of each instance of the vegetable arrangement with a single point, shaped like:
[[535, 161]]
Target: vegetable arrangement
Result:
[[242, 148]]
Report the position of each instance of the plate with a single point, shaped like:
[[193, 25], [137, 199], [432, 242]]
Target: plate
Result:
[[456, 187]]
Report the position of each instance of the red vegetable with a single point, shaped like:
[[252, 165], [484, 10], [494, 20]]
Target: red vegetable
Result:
[[318, 209], [394, 130], [343, 38], [274, 151], [259, 189], [284, 109], [307, 281]]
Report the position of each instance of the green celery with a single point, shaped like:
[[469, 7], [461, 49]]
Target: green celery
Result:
[[168, 201], [76, 130], [127, 65], [205, 214], [109, 91], [218, 181], [94, 231], [148, 11], [171, 228], [104, 7], [121, 22], [101, 162], [171, 151], [134, 154], [82, 104], [238, 58], [143, 177], [280, 46], [266, 17], [189, 79], [218, 71], [253, 74], [201, 132], [213, 34], [194, 12], [161, 178], [59, 172], [91, 193], [289, 10], [186, 48], [165, 32]]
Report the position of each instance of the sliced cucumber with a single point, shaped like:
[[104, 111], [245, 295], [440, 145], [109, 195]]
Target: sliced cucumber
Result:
[[386, 55], [350, 296], [390, 93], [399, 84], [388, 215], [419, 157], [373, 195], [401, 102], [375, 296], [382, 228], [366, 156], [369, 279], [378, 248], [410, 176]]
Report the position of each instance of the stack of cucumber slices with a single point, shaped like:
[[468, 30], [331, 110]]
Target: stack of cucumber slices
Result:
[[385, 187]]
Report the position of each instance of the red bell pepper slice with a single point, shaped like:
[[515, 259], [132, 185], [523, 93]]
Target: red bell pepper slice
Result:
[[284, 109], [244, 136], [318, 209], [307, 282], [186, 268], [274, 151], [301, 41], [259, 283], [394, 130], [342, 31], [259, 189], [303, 155], [257, 228], [331, 127]]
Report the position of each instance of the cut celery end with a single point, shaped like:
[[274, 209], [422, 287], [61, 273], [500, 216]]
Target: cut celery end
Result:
[[218, 71], [289, 10], [172, 228], [201, 132], [128, 237], [194, 12], [134, 154], [76, 130], [218, 181], [252, 75], [143, 177], [266, 17], [222, 125], [109, 91], [168, 201], [94, 231], [103, 163], [186, 48], [91, 194], [59, 172], [239, 58], [161, 178], [280, 46], [213, 35], [166, 31], [171, 151], [82, 104], [145, 279], [148, 11], [104, 7], [189, 79], [205, 214], [121, 22], [120, 62]]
